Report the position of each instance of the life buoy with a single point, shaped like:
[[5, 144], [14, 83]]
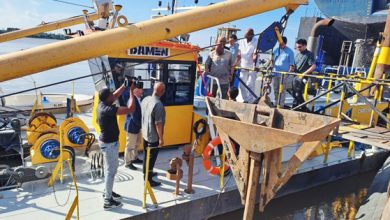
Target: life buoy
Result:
[[207, 157]]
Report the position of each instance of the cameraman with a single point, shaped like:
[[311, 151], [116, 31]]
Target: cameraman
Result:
[[109, 135]]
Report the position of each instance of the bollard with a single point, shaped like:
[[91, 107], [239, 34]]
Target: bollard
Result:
[[175, 173], [188, 156], [189, 189]]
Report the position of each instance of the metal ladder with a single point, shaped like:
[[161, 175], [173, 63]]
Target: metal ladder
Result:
[[346, 49]]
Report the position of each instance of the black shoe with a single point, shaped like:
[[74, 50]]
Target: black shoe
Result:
[[131, 166], [111, 203], [137, 161], [154, 183], [114, 195]]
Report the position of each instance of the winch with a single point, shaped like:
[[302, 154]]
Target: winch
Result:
[[44, 136]]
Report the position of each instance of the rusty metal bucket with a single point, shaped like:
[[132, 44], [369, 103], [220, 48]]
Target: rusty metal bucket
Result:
[[260, 128], [261, 132]]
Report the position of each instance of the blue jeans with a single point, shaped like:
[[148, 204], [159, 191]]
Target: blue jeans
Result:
[[110, 155]]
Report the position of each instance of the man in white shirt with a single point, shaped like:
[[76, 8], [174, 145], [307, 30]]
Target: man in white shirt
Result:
[[247, 50]]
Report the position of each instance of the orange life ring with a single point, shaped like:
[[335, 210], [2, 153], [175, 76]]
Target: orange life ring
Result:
[[207, 156]]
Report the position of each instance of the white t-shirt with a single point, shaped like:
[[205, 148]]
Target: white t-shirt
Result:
[[247, 50]]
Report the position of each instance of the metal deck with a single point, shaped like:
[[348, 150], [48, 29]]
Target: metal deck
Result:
[[374, 136], [35, 200]]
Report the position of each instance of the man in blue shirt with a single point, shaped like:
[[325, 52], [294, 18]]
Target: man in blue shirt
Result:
[[284, 62], [133, 130]]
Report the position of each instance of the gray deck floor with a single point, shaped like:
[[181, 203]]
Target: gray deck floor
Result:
[[35, 200]]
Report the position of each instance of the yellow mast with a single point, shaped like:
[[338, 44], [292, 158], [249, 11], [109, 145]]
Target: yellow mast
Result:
[[47, 27], [26, 62]]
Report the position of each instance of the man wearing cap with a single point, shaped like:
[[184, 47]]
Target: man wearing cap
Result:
[[109, 135], [133, 129]]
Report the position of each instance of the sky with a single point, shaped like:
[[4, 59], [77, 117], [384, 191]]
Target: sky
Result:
[[29, 13]]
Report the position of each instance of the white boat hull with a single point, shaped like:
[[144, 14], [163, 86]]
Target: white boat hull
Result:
[[53, 102]]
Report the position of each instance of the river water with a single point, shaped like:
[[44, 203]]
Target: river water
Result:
[[83, 86], [337, 200]]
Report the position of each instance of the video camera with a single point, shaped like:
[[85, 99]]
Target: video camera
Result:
[[129, 80]]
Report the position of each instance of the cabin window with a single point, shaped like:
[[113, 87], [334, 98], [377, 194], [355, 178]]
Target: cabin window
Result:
[[178, 76], [179, 84]]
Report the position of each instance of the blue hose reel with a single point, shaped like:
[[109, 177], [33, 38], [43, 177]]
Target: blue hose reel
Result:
[[48, 149], [76, 135]]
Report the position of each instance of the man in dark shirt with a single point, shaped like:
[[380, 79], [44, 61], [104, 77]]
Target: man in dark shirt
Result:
[[108, 139], [304, 64]]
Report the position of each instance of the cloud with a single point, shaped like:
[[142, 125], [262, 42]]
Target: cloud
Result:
[[30, 13]]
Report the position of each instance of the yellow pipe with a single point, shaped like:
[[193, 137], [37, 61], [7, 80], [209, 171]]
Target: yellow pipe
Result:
[[75, 203], [305, 93], [374, 60], [222, 170], [384, 57], [329, 87], [23, 63], [341, 103], [351, 149], [279, 36], [146, 177], [46, 27], [388, 117], [280, 92]]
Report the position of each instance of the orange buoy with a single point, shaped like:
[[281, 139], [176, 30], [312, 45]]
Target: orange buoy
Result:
[[207, 157]]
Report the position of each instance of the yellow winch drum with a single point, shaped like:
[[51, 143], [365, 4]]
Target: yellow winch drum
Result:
[[45, 149], [75, 132], [43, 135], [40, 123]]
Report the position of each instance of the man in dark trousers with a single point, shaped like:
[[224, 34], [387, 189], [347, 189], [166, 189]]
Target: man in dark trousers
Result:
[[108, 139], [153, 120], [304, 64]]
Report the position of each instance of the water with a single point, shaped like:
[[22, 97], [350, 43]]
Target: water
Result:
[[83, 86], [337, 200]]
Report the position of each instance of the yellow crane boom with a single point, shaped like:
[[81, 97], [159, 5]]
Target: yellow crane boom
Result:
[[26, 62], [47, 27]]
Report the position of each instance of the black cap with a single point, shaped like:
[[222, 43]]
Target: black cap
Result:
[[103, 94], [139, 85]]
